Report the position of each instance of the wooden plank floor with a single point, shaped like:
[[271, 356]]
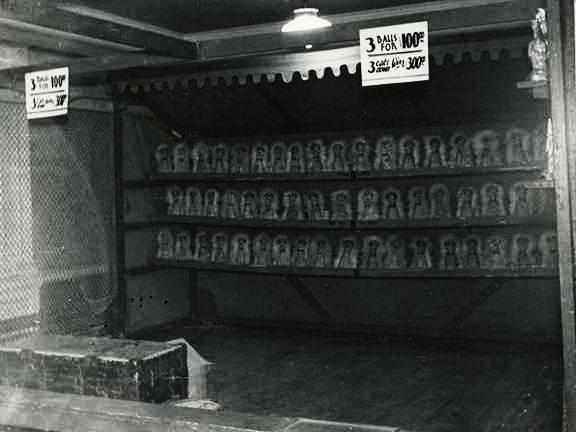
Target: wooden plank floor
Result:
[[417, 384]]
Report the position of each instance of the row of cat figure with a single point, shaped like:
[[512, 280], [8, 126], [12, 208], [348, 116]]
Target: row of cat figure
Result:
[[486, 148], [488, 200], [394, 253]]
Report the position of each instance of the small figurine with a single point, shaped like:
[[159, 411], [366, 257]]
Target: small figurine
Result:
[[518, 147], [372, 253], [418, 207], [193, 201], [292, 206], [487, 149], [240, 159], [259, 163], [165, 242], [220, 159], [211, 203], [262, 247], [181, 158], [347, 254], [538, 48], [542, 201], [435, 152], [337, 160], [521, 204], [548, 246], [386, 153], [182, 248], [316, 156], [200, 158], [175, 201], [320, 252], [163, 160], [492, 197], [230, 208], [203, 249], [440, 202], [240, 250], [542, 145], [281, 251], [395, 256], [360, 154], [341, 206], [278, 158], [409, 153], [301, 252], [472, 253], [315, 206], [461, 151], [522, 251], [268, 204], [449, 253], [248, 205], [392, 205], [421, 257], [220, 248], [468, 202], [295, 159], [496, 253], [368, 205]]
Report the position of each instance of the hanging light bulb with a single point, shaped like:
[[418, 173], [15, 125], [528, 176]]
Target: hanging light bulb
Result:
[[305, 18]]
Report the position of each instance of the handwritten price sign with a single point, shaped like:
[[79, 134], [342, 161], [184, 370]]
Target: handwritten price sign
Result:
[[47, 93], [394, 54]]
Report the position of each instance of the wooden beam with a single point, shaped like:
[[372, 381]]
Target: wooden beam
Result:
[[43, 13]]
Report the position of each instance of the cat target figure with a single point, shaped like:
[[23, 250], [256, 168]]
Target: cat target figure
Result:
[[203, 247], [183, 246], [278, 155], [368, 205], [165, 245], [241, 253], [337, 158], [320, 252], [220, 159], [341, 206], [440, 207], [492, 199], [461, 151], [181, 155], [392, 204], [292, 206], [220, 246], [249, 205], [372, 253], [518, 147], [347, 257], [259, 161], [409, 153], [522, 251], [435, 156], [360, 154], [175, 200], [262, 248], [315, 206], [395, 255], [521, 200], [421, 255], [281, 254], [468, 202], [295, 158], [386, 156], [548, 246], [418, 206], [487, 149], [193, 202], [472, 253], [230, 208], [268, 204], [496, 253], [163, 159], [211, 203], [240, 159], [316, 160], [200, 158], [450, 253], [301, 252]]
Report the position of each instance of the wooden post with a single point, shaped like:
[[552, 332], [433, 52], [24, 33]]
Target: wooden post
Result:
[[563, 112]]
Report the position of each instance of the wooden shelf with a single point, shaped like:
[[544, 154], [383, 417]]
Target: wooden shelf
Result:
[[476, 222], [167, 179], [538, 273], [539, 89], [253, 223]]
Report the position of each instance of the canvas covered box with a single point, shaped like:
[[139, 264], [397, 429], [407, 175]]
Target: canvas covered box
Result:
[[114, 368]]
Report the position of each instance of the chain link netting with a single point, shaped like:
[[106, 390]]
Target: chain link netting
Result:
[[56, 227]]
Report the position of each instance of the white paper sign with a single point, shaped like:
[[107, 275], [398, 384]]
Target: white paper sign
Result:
[[47, 93], [394, 54]]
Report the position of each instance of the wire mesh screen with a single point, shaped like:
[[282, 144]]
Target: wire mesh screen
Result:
[[56, 205]]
